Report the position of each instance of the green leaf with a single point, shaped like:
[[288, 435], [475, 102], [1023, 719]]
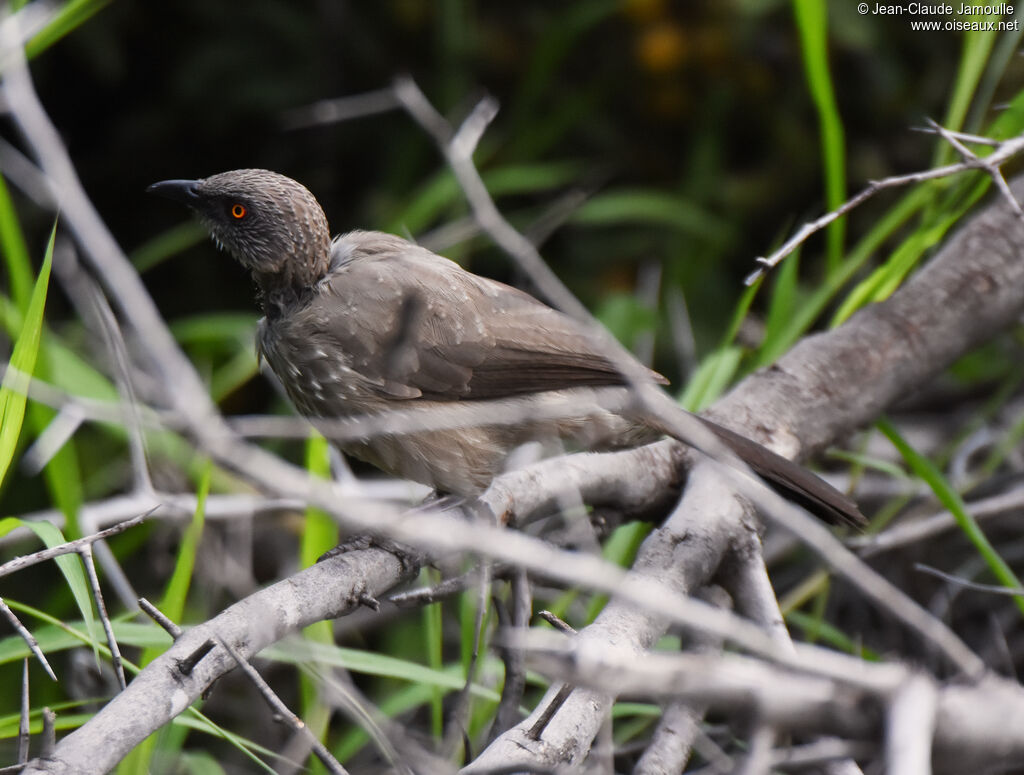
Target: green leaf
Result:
[[442, 191], [23, 361], [620, 548], [626, 316]]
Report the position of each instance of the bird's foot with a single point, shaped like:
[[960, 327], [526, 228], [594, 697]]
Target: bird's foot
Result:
[[411, 559]]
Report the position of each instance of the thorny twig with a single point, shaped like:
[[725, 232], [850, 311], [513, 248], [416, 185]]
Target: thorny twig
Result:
[[1004, 151]]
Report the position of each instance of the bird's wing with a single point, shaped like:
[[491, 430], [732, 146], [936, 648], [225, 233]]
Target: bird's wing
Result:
[[418, 325]]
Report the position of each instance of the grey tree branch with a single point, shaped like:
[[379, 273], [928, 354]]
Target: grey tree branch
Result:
[[249, 626]]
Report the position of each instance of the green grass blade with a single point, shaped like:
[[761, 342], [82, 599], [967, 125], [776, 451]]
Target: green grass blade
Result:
[[812, 24], [825, 632], [711, 378], [320, 533], [15, 253], [442, 191], [167, 244], [70, 17], [785, 301], [951, 499], [973, 57], [173, 602], [433, 636], [23, 360]]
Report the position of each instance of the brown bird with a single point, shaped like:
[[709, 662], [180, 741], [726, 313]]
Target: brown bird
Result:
[[369, 322]]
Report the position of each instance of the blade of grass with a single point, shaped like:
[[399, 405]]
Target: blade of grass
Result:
[[70, 17], [319, 534], [173, 602], [951, 499], [163, 246], [884, 281], [812, 24], [711, 378], [442, 192], [830, 635], [62, 475], [432, 635], [15, 252], [977, 45], [23, 362], [785, 299]]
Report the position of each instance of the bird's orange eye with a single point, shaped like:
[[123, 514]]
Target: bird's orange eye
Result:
[[238, 211]]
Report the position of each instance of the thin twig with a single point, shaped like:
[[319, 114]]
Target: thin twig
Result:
[[30, 641], [368, 103], [507, 713], [556, 622], [921, 529], [94, 582], [23, 719], [19, 563], [992, 589], [285, 713], [415, 598], [556, 702], [158, 616], [1003, 152], [758, 760], [458, 719]]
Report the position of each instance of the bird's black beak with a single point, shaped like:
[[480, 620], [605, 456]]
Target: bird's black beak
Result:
[[184, 191]]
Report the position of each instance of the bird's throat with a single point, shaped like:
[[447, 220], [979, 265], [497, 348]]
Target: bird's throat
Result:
[[282, 290]]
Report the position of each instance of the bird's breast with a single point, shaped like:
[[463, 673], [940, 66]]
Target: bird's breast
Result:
[[316, 373]]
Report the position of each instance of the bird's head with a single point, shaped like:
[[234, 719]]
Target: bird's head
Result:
[[273, 225]]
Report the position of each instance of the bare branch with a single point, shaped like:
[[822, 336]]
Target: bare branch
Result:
[[26, 706], [157, 616], [94, 583], [910, 725], [1004, 151], [18, 563], [25, 635], [991, 589]]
